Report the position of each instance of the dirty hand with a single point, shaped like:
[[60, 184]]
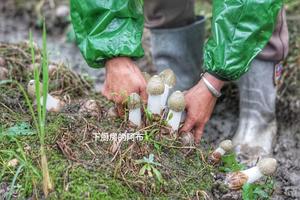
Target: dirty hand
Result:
[[199, 105], [122, 78]]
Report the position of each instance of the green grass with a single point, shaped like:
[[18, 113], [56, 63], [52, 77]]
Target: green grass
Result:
[[41, 109], [71, 181]]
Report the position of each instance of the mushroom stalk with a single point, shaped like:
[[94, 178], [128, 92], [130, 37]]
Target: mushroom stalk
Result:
[[264, 167], [135, 116], [155, 89], [176, 104], [134, 105], [169, 79], [165, 95], [253, 174], [154, 104], [174, 122], [52, 104]]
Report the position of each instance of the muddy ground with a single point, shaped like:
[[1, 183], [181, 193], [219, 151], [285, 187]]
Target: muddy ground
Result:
[[14, 28]]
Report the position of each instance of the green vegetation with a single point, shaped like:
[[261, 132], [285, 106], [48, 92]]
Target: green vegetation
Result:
[[258, 191], [41, 110], [61, 149]]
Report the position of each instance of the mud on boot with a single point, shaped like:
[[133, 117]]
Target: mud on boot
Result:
[[257, 121]]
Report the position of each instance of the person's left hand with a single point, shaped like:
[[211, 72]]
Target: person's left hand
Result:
[[199, 105]]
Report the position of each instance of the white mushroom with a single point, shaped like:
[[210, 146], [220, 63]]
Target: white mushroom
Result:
[[224, 146], [3, 73], [90, 107], [52, 104], [155, 89], [169, 79], [134, 106], [176, 104], [264, 167], [187, 139]]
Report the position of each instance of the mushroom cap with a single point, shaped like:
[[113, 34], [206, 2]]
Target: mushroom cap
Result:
[[91, 107], [187, 138], [31, 88], [134, 101], [176, 101], [226, 145], [155, 86], [146, 76], [168, 77], [267, 166]]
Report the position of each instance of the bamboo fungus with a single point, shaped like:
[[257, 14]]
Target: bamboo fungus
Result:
[[264, 167], [176, 104], [224, 146], [52, 104], [169, 79], [134, 106], [155, 89]]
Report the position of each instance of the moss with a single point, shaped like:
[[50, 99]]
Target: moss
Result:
[[81, 167]]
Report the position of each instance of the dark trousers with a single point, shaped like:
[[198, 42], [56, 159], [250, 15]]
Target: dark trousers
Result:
[[177, 13], [168, 13]]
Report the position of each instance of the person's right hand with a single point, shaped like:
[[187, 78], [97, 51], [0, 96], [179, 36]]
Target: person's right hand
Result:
[[122, 78]]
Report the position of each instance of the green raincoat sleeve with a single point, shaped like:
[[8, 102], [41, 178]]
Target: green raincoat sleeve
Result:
[[240, 30], [108, 28]]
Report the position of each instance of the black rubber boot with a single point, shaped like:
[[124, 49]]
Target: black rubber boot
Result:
[[257, 120], [180, 49]]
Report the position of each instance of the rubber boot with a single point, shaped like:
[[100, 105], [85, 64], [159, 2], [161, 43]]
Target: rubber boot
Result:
[[180, 49], [257, 121]]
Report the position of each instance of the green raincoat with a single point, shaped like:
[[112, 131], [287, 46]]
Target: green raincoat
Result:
[[112, 28]]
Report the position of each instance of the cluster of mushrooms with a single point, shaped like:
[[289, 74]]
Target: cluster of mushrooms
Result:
[[236, 180], [158, 89]]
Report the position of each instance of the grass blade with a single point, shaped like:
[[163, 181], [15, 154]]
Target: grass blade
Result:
[[45, 73], [12, 185]]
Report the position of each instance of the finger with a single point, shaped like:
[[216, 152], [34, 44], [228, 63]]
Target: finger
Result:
[[117, 98], [105, 92], [120, 109], [198, 133], [188, 124], [143, 94]]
